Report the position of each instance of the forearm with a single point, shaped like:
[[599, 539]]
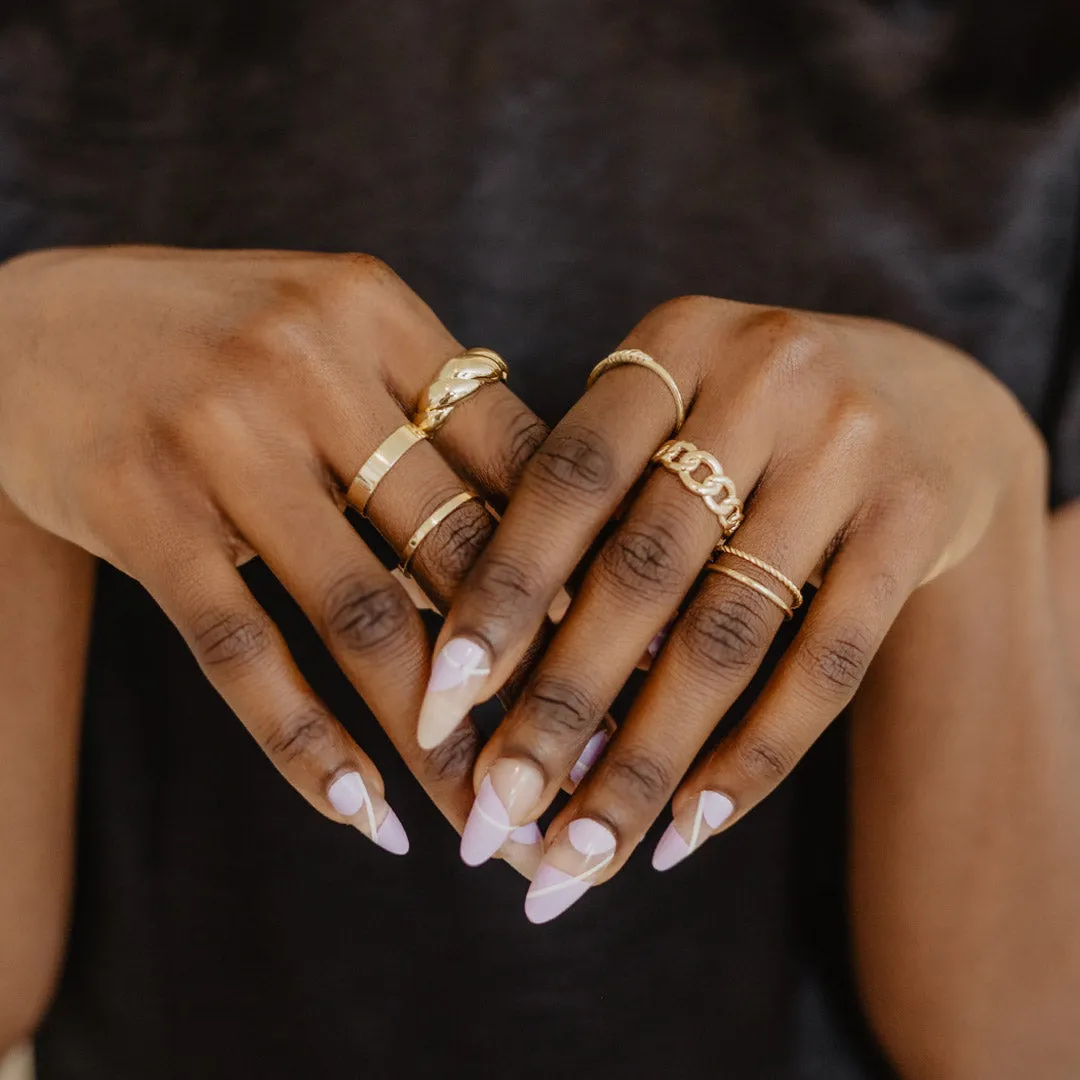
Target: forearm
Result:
[[45, 593], [966, 810]]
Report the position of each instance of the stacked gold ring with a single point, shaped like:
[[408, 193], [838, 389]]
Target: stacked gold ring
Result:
[[457, 380], [717, 490], [430, 523], [757, 586], [386, 455]]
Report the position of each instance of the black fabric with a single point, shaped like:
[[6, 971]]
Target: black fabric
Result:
[[542, 174]]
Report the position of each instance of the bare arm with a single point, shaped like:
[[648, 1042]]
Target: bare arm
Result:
[[966, 837], [45, 600]]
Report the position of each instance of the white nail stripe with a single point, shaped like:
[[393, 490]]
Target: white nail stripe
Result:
[[570, 881], [469, 669], [478, 809], [370, 815], [695, 836]]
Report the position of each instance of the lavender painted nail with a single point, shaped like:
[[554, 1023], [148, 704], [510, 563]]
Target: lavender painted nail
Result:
[[590, 837], [589, 756], [391, 835], [551, 893], [459, 668], [527, 835], [458, 661], [347, 794], [713, 809], [488, 826]]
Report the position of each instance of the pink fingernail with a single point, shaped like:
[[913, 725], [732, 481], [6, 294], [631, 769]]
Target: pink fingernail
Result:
[[657, 643], [589, 756], [511, 789], [347, 794], [391, 835], [456, 676], [568, 870], [527, 835], [713, 809]]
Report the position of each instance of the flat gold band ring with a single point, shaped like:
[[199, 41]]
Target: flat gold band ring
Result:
[[432, 522], [757, 586], [458, 379], [387, 454], [642, 359], [717, 490]]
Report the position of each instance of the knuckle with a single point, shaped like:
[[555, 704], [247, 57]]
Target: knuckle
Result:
[[560, 708], [231, 638], [362, 617], [286, 327], [457, 543], [763, 759], [639, 777], [453, 759], [574, 460], [643, 557], [791, 341], [837, 661], [730, 635], [526, 434], [298, 736], [504, 584]]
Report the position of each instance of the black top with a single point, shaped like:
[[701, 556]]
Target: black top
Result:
[[542, 174]]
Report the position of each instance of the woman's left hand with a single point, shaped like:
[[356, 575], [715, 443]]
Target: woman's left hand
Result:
[[870, 459]]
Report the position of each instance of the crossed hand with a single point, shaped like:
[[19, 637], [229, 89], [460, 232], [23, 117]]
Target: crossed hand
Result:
[[178, 412]]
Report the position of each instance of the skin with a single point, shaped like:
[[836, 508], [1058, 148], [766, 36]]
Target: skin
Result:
[[934, 505], [272, 377], [777, 348]]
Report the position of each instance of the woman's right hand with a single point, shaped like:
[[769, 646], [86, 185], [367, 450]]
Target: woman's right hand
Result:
[[176, 412]]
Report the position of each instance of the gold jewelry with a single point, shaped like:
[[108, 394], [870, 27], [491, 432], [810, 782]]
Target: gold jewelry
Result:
[[387, 454], [429, 523], [745, 579], [761, 564], [458, 379], [641, 359], [683, 459]]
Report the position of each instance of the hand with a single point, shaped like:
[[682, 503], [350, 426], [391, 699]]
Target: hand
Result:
[[176, 412], [870, 459]]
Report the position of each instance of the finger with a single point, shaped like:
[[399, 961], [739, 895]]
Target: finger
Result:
[[860, 598], [243, 655], [367, 620], [567, 491], [632, 589], [708, 660]]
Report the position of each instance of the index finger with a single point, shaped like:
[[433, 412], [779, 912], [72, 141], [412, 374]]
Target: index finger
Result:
[[567, 492]]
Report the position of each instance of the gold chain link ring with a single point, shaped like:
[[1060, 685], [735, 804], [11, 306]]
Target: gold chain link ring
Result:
[[684, 459]]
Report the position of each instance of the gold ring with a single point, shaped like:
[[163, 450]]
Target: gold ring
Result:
[[761, 564], [429, 523], [387, 454], [683, 459], [458, 379], [764, 590], [641, 359]]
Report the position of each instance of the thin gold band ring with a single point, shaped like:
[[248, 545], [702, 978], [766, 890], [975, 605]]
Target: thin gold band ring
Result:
[[750, 583], [386, 455], [642, 359], [432, 522], [761, 564]]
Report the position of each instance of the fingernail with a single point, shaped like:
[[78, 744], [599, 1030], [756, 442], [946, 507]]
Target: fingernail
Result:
[[510, 791], [588, 758], [569, 869], [349, 796], [713, 809], [657, 643], [527, 835], [458, 670]]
